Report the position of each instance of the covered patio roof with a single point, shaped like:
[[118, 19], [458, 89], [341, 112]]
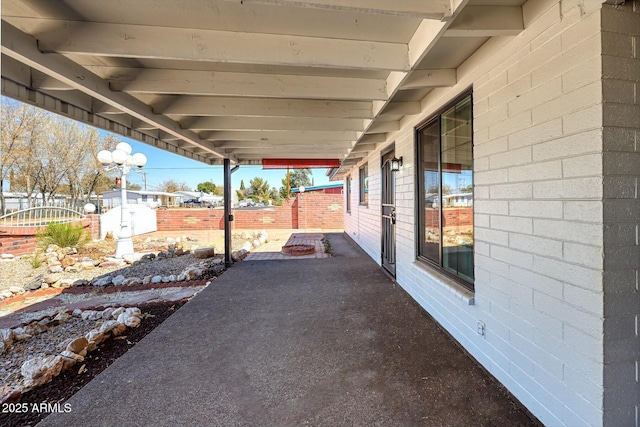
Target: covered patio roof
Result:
[[245, 80]]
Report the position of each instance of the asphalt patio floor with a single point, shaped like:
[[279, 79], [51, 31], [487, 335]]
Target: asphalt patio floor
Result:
[[323, 341]]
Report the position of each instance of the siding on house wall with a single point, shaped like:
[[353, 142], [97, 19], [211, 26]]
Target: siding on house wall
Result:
[[621, 167], [538, 175], [363, 224]]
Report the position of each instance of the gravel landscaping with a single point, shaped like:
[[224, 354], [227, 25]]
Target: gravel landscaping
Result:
[[29, 391]]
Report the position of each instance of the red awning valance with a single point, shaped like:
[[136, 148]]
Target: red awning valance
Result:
[[299, 163]]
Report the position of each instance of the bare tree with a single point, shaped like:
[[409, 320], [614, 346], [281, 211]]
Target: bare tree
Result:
[[45, 153], [171, 186], [21, 130]]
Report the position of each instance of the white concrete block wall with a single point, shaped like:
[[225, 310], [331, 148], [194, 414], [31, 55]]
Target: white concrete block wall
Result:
[[363, 224], [539, 189], [542, 132], [621, 167]]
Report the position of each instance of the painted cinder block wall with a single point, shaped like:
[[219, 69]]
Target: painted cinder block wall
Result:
[[556, 171], [621, 212]]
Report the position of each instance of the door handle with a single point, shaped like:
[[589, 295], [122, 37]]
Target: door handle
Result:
[[393, 217]]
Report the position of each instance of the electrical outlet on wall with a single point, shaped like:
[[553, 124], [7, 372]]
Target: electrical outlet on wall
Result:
[[482, 328]]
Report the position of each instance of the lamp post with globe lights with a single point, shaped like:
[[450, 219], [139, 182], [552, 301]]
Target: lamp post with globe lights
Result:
[[122, 160]]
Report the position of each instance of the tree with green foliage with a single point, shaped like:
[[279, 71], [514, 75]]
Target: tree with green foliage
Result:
[[296, 178], [259, 187], [210, 188], [275, 196], [300, 178], [243, 190]]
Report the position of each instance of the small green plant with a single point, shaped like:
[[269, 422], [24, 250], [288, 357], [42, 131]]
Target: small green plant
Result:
[[36, 260], [63, 234], [327, 246]]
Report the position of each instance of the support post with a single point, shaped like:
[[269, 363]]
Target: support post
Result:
[[227, 213]]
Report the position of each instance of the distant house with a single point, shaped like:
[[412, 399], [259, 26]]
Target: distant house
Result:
[[211, 199], [14, 201], [153, 199], [333, 188], [183, 196]]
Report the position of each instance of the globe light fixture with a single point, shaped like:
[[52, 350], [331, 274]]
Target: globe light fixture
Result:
[[122, 160]]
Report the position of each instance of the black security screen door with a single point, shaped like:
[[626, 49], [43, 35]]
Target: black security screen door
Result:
[[388, 215]]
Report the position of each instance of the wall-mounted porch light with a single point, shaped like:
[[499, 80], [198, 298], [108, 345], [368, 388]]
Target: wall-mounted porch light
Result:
[[396, 164]]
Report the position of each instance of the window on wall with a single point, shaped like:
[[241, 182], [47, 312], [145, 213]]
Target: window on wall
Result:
[[364, 185], [445, 190], [348, 193]]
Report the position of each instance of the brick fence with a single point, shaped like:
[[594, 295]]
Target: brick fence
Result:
[[22, 240], [307, 210]]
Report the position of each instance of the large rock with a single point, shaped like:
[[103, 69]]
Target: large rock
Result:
[[18, 290], [56, 268], [67, 283], [118, 280], [78, 346], [108, 326], [6, 336], [9, 395], [40, 370], [131, 317], [202, 253], [102, 281], [95, 337], [71, 355], [131, 281], [67, 261]]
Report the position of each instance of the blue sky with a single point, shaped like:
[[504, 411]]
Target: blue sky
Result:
[[162, 166]]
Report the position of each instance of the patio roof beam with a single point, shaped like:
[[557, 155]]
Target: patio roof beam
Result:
[[430, 78], [314, 135], [261, 107], [487, 21], [283, 144], [23, 48], [283, 152], [187, 44], [217, 83], [383, 127], [433, 9], [399, 109], [268, 124]]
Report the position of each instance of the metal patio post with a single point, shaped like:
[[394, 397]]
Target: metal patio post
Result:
[[227, 213]]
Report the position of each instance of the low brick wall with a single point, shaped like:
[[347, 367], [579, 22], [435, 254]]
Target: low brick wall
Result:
[[22, 240], [320, 210], [307, 210]]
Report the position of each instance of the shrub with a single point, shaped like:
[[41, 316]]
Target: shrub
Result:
[[36, 260], [63, 234]]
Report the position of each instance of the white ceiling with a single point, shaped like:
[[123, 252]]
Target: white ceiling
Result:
[[244, 79]]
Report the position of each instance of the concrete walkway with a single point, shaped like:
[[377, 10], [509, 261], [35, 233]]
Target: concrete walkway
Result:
[[329, 342]]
